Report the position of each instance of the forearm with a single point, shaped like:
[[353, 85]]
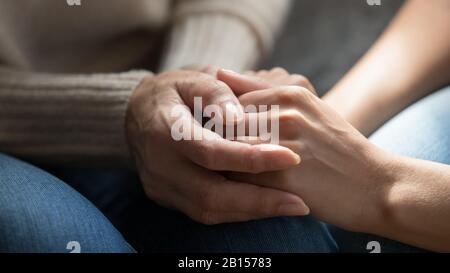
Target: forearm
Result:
[[415, 205], [411, 59], [62, 118]]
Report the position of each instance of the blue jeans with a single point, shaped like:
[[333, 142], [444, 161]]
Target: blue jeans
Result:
[[106, 210]]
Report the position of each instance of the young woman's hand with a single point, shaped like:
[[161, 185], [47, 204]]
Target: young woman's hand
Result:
[[342, 177], [347, 181], [262, 79]]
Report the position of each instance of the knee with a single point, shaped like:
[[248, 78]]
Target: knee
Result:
[[39, 213], [421, 131]]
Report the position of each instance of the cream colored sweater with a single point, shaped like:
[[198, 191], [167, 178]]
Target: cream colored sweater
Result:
[[66, 72]]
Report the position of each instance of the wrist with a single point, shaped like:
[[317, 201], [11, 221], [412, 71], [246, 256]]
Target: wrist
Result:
[[137, 98], [385, 177], [132, 124], [381, 176]]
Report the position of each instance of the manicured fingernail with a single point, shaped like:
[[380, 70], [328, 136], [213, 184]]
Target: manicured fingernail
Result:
[[273, 147], [297, 159], [270, 147], [293, 209]]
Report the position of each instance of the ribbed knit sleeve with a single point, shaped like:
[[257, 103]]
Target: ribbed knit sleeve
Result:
[[234, 34], [66, 119]]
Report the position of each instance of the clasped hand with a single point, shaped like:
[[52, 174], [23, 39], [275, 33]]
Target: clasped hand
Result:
[[320, 165]]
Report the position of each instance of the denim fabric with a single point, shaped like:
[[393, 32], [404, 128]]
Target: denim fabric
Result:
[[40, 213]]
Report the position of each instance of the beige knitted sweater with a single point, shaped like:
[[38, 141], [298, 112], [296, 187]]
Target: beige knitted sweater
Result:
[[66, 72]]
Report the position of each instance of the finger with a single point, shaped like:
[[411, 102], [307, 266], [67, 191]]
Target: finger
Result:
[[296, 146], [279, 71], [281, 96], [278, 76], [300, 80], [211, 198], [281, 76], [262, 73], [203, 90], [249, 73], [231, 201], [208, 69], [175, 190], [269, 179], [252, 140], [226, 155], [210, 150], [284, 124], [249, 81], [242, 84], [288, 128]]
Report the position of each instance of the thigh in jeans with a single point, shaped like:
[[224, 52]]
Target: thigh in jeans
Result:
[[169, 231], [40, 213], [420, 131], [149, 227]]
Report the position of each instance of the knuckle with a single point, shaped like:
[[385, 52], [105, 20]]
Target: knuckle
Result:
[[303, 91], [300, 80], [165, 75], [218, 92], [279, 70], [304, 95], [262, 73], [291, 117], [201, 76], [291, 94], [196, 78], [209, 69], [218, 86]]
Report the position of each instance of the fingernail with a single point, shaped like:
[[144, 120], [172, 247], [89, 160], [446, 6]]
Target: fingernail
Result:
[[293, 209], [270, 147], [297, 159], [273, 147]]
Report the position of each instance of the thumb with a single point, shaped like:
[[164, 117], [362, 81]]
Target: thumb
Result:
[[241, 84]]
